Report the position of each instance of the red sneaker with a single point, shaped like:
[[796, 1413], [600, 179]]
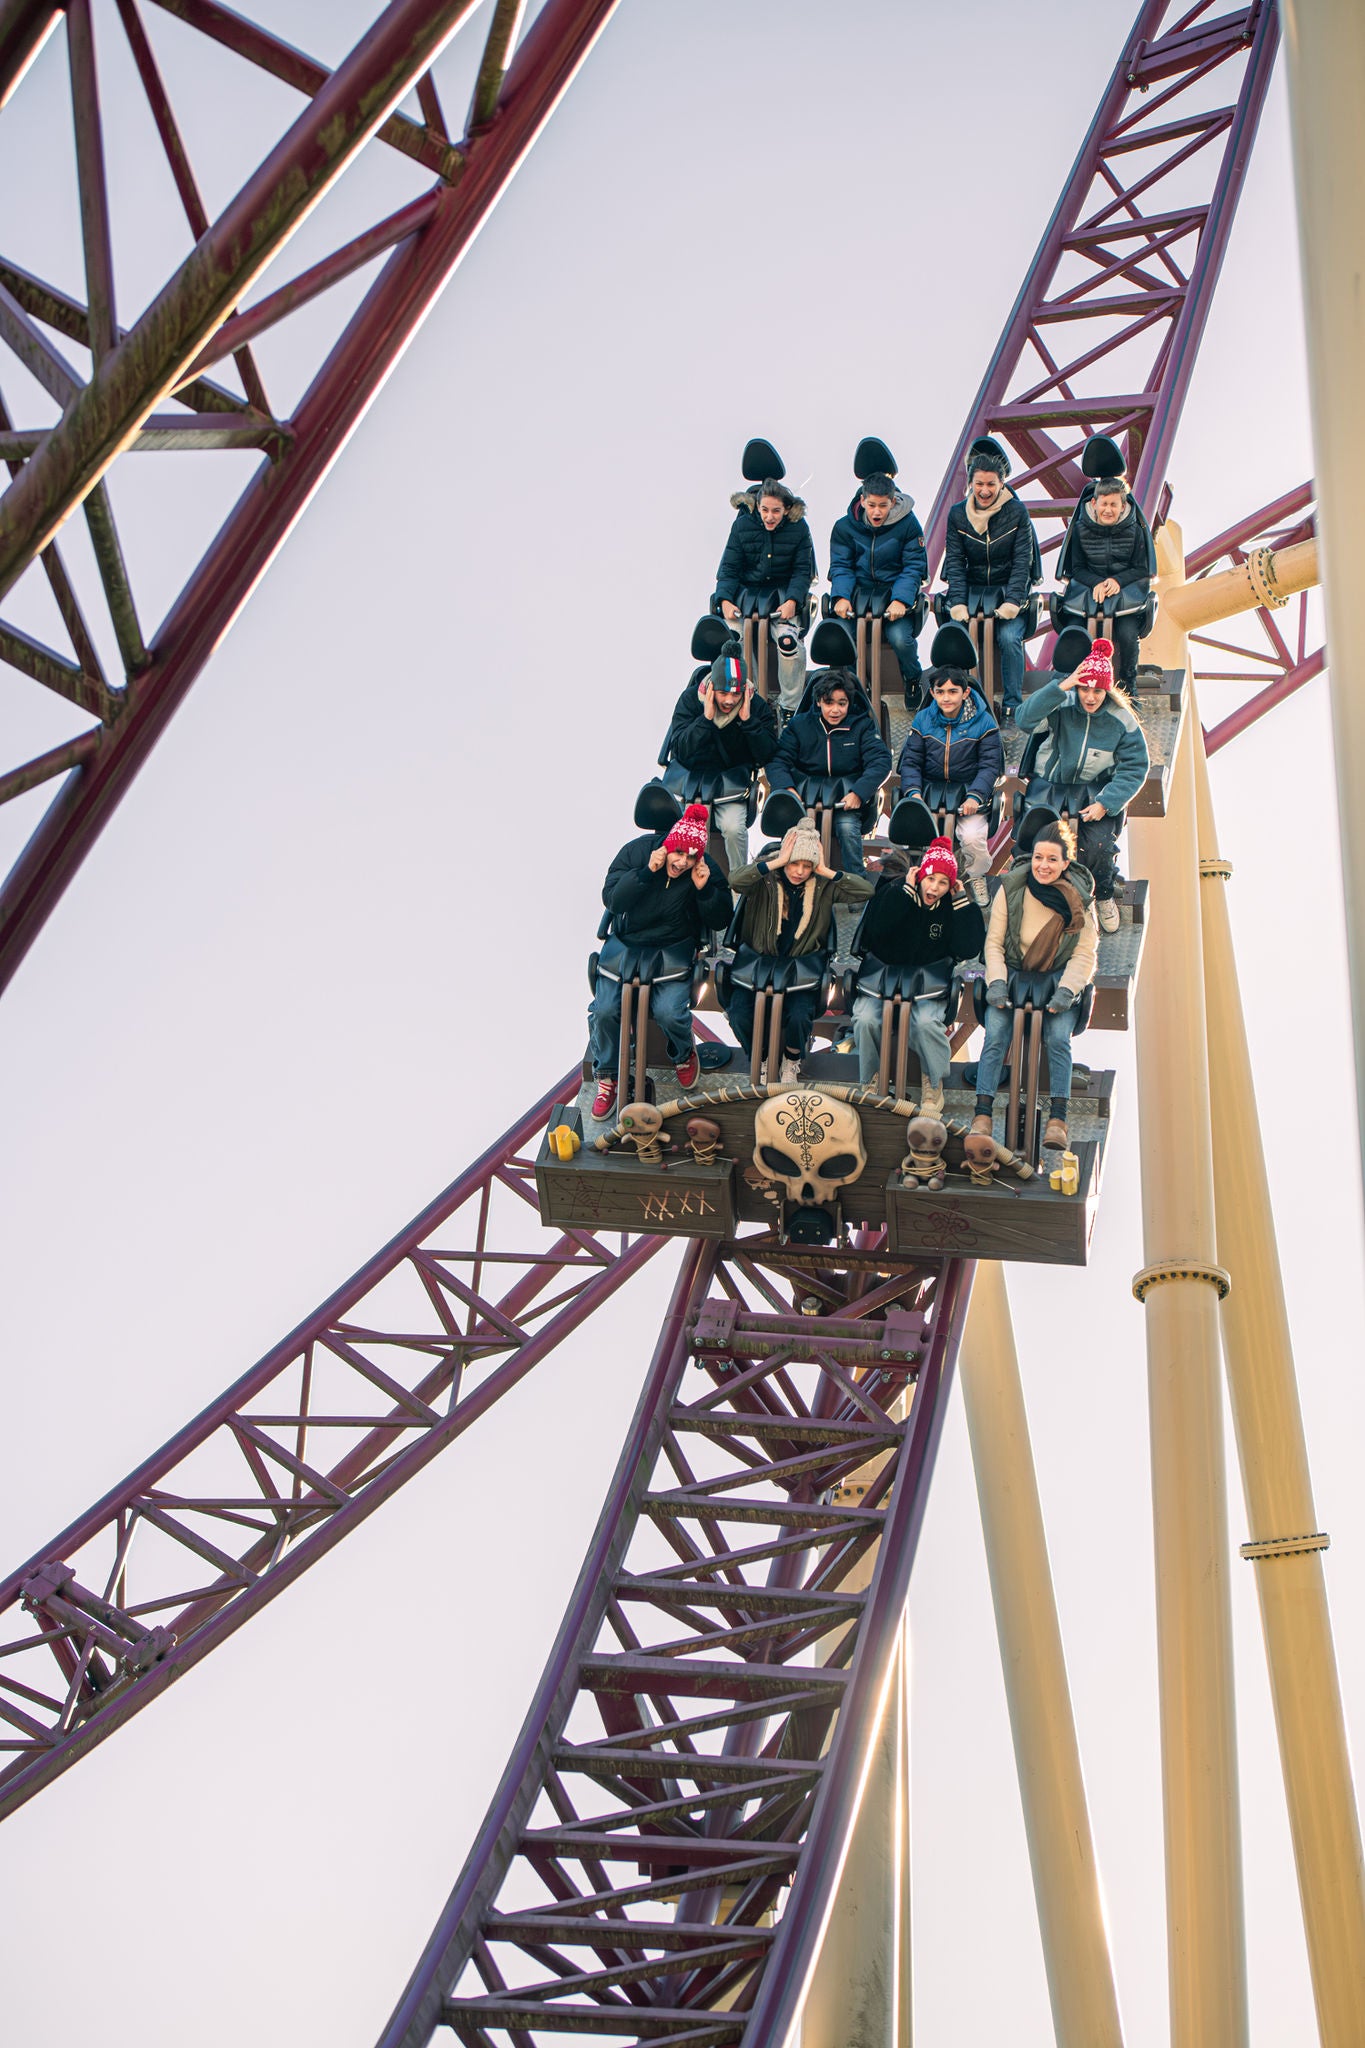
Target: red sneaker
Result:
[[687, 1073], [604, 1102]]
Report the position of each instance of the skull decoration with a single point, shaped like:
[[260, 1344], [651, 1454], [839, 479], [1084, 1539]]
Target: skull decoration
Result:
[[811, 1143], [642, 1126]]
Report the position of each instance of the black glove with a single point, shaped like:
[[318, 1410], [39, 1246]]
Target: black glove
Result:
[[998, 995]]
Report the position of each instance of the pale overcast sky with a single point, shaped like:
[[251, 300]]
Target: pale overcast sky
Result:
[[267, 1022]]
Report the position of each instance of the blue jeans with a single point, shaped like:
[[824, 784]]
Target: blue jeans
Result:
[[899, 635], [798, 1014], [928, 1038], [1009, 641], [848, 830], [669, 1007], [1056, 1039]]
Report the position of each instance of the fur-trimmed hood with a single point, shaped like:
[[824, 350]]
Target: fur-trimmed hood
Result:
[[747, 501]]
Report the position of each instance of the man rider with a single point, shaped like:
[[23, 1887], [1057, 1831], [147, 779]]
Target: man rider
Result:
[[836, 740], [955, 741], [660, 892], [990, 551], [877, 551]]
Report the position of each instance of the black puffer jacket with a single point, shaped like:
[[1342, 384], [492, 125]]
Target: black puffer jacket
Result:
[[699, 743], [754, 559], [995, 553], [901, 931], [655, 909], [1092, 552]]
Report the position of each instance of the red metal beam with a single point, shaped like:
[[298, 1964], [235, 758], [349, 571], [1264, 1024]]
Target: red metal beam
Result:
[[384, 324], [277, 1470], [1264, 700]]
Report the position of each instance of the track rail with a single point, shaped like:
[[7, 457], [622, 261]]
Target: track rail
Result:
[[660, 1855], [422, 1341], [1127, 266]]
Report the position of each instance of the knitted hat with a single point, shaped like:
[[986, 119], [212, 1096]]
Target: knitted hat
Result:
[[1096, 672], [801, 843], [727, 670], [938, 859], [689, 834]]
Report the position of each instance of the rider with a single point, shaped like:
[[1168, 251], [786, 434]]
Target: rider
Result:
[[770, 556], [722, 730], [918, 919], [990, 551], [1040, 922], [1093, 738], [1109, 553], [876, 551], [954, 742], [835, 740], [660, 892], [787, 907]]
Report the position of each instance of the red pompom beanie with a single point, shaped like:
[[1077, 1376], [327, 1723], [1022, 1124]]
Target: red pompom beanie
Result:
[[689, 834], [1096, 672], [938, 859]]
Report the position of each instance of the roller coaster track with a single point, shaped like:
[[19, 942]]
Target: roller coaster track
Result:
[[658, 1858], [103, 1608]]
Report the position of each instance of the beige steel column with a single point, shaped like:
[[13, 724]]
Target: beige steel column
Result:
[[1325, 44], [1286, 1546], [1066, 1885], [1180, 1287], [859, 1994]]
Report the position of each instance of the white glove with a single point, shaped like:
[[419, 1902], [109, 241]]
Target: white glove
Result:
[[1007, 611], [958, 612]]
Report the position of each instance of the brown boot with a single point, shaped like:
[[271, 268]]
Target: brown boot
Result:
[[1055, 1138], [982, 1126]]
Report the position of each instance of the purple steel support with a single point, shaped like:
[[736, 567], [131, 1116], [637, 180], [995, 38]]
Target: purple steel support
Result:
[[159, 354], [675, 1774], [1281, 655], [355, 1401], [1124, 265]]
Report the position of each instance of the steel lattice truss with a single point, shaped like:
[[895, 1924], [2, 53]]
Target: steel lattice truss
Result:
[[434, 1330], [1104, 333], [663, 1842], [187, 376], [1281, 649]]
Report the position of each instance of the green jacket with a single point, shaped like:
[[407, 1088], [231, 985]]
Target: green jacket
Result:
[[761, 888]]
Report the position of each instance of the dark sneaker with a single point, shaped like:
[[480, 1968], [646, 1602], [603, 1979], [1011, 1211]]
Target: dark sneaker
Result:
[[914, 696], [688, 1071], [604, 1102]]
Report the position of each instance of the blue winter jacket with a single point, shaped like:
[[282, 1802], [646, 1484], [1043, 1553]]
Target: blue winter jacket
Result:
[[968, 750], [887, 557], [853, 752], [1105, 748]]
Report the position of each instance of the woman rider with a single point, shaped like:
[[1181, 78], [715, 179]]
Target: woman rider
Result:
[[1042, 922]]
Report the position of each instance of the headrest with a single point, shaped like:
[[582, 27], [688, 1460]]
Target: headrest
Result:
[[656, 808], [1071, 648], [761, 461], [783, 809], [870, 455], [953, 647], [912, 824], [987, 453], [1031, 824], [709, 635], [833, 645], [1102, 457]]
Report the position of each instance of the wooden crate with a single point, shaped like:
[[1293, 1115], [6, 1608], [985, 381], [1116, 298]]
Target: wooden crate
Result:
[[1018, 1221]]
